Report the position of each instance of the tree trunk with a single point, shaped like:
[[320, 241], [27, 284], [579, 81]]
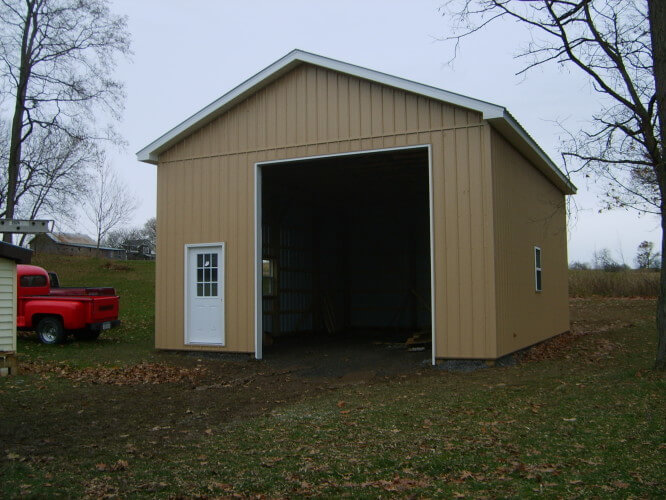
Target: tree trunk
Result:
[[660, 361], [14, 156], [657, 14], [17, 136]]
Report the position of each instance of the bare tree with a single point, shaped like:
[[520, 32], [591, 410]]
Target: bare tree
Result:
[[117, 238], [579, 266], [150, 230], [57, 59], [604, 261], [646, 257], [53, 177], [620, 45], [108, 203], [123, 236]]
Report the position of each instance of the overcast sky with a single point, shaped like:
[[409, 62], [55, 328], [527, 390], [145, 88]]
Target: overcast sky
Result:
[[187, 54]]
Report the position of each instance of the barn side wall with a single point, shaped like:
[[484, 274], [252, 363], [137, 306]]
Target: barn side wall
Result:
[[206, 194], [529, 211], [7, 305]]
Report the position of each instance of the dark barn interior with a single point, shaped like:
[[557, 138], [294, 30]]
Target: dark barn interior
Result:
[[346, 248]]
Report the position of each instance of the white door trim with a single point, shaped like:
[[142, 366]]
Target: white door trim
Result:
[[186, 295], [258, 301]]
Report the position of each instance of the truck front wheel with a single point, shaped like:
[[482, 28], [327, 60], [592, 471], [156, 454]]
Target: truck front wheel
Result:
[[50, 330]]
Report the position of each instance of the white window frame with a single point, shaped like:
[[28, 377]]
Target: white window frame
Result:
[[538, 270]]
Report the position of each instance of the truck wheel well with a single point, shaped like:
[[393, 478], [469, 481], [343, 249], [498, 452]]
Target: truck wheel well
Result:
[[36, 318]]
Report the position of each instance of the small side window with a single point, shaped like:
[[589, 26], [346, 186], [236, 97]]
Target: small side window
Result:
[[53, 279], [537, 269], [31, 280]]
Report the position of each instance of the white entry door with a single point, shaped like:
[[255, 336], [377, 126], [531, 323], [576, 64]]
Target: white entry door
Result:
[[204, 275]]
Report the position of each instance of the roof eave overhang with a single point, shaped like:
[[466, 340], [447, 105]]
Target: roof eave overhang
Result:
[[151, 152], [18, 254], [496, 115]]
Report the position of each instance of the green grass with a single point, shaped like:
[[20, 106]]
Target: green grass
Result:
[[130, 343], [629, 283], [586, 420]]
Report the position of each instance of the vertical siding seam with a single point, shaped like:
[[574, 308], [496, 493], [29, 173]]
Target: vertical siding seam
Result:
[[490, 231], [457, 243], [470, 232]]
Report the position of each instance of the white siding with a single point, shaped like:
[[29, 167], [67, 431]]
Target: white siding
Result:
[[7, 305]]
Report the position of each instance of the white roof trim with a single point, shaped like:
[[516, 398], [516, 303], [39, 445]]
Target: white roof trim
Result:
[[496, 115]]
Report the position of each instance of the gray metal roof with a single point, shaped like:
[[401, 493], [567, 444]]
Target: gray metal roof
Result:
[[77, 240]]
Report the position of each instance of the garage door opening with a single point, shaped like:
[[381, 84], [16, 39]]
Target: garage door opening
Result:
[[343, 248]]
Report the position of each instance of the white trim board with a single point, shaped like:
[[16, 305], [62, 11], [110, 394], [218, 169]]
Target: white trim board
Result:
[[258, 302], [498, 116]]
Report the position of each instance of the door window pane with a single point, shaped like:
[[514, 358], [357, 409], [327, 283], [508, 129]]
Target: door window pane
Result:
[[207, 275]]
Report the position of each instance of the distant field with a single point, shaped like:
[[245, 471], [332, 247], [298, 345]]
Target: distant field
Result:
[[632, 283]]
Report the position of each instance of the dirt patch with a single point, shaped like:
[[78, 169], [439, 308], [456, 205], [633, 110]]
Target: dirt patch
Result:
[[95, 409], [562, 346], [557, 347], [143, 410]]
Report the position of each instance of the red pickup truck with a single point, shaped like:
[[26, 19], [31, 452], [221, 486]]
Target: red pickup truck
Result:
[[54, 312]]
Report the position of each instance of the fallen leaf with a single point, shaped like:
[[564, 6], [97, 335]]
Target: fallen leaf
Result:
[[219, 486], [142, 373], [120, 465], [466, 475]]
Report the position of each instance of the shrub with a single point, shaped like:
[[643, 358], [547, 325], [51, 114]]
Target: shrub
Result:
[[622, 283], [579, 265]]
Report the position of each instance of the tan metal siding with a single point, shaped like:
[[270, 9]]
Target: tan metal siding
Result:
[[205, 194], [529, 211], [7, 305]]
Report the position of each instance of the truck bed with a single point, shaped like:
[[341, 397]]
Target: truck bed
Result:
[[76, 311], [83, 291]]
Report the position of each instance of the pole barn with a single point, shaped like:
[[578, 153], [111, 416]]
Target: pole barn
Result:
[[319, 198]]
